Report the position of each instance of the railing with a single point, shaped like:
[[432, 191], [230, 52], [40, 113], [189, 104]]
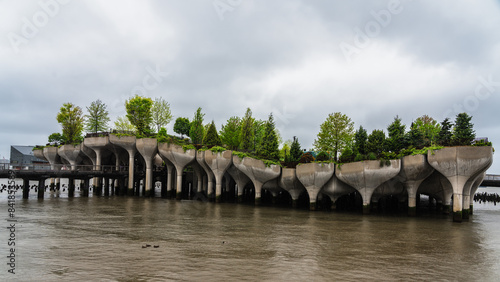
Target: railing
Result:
[[63, 167], [492, 177]]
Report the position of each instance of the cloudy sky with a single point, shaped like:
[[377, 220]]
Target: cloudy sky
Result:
[[298, 59]]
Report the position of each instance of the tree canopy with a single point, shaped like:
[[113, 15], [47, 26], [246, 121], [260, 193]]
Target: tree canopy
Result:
[[247, 131], [124, 125], [71, 119], [463, 132], [295, 150], [97, 117], [160, 113], [396, 139], [212, 138], [335, 134], [197, 131], [269, 145], [230, 133], [182, 126], [139, 114]]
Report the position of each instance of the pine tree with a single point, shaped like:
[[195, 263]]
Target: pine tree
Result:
[[463, 132], [197, 131], [445, 135], [212, 138], [247, 132], [396, 138], [295, 150], [269, 147], [376, 142], [415, 137], [360, 139]]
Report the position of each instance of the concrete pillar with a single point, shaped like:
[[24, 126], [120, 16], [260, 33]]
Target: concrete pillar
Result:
[[148, 148], [26, 188], [84, 187], [170, 175], [218, 163], [179, 157], [106, 186], [71, 187], [200, 159], [314, 176], [41, 188]]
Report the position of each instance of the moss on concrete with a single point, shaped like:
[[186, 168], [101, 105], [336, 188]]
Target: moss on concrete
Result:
[[457, 216], [412, 211]]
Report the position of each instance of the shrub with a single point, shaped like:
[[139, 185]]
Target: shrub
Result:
[[372, 156], [347, 155], [359, 157], [322, 157], [306, 158]]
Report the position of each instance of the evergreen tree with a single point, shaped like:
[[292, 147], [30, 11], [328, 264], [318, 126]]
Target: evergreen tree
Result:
[[463, 131], [445, 135], [197, 131], [295, 150], [360, 139], [230, 133], [285, 151], [396, 138], [376, 142], [247, 131], [336, 133], [182, 126], [71, 119], [269, 147], [212, 138], [139, 114], [415, 137], [97, 117]]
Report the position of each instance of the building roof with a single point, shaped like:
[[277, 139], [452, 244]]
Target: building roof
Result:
[[25, 150]]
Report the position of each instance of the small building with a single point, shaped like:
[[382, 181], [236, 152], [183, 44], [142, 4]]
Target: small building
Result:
[[21, 156]]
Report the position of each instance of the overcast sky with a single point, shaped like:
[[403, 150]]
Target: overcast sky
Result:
[[300, 60]]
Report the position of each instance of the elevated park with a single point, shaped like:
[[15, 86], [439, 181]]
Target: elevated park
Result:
[[125, 165]]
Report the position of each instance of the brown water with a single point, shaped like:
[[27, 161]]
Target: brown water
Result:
[[101, 238]]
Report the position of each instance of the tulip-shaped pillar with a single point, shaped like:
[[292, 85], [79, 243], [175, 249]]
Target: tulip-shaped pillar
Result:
[[148, 148], [414, 170], [179, 158], [218, 162], [313, 176]]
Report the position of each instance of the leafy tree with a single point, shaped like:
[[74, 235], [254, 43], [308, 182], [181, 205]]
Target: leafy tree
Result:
[[139, 114], [71, 119], [360, 139], [182, 126], [162, 135], [335, 134], [230, 133], [396, 139], [197, 131], [56, 139], [97, 117], [429, 128], [247, 131], [295, 150], [259, 128], [376, 142], [212, 137], [347, 155], [160, 113], [123, 124], [445, 135], [415, 137], [463, 131], [285, 150], [269, 147]]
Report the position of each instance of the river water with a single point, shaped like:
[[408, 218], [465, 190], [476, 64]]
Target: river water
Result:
[[104, 238]]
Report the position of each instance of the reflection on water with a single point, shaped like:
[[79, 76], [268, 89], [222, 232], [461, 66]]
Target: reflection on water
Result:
[[103, 237]]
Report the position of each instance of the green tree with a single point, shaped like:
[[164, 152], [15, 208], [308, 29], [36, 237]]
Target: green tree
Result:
[[56, 139], [430, 129], [269, 146], [360, 139], [197, 131], [259, 129], [124, 125], [295, 150], [285, 151], [396, 139], [247, 131], [139, 114], [212, 138], [463, 131], [230, 133], [71, 119], [160, 113], [97, 117], [182, 126], [376, 142], [335, 134], [445, 135], [415, 137]]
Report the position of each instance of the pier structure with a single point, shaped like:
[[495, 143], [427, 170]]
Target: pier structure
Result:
[[449, 176]]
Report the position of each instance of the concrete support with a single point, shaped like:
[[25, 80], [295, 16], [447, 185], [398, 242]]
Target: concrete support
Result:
[[71, 187], [106, 186], [127, 143], [41, 183], [218, 163], [170, 175], [179, 158], [458, 165], [289, 182], [200, 159], [414, 170], [313, 176], [258, 172], [366, 176], [84, 187], [26, 188], [148, 148]]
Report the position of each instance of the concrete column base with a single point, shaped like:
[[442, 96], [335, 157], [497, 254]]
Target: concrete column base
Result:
[[366, 209], [26, 188], [258, 201], [71, 188], [412, 211], [333, 207], [240, 198], [471, 209], [294, 204], [465, 214], [178, 196], [312, 206], [218, 199], [446, 209], [41, 188], [457, 216]]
